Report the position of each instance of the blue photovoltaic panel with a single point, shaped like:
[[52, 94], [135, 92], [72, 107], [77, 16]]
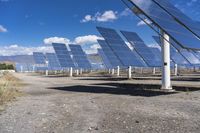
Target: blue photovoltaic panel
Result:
[[179, 16], [23, 67], [142, 49], [166, 22], [53, 63], [174, 54], [118, 46], [80, 57], [63, 55], [112, 58], [190, 57], [104, 58], [197, 54], [39, 58]]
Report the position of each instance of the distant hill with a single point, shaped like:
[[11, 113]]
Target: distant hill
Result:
[[17, 59]]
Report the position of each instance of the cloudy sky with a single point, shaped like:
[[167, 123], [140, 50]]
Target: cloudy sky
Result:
[[32, 25]]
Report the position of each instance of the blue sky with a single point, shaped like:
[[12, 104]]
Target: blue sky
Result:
[[27, 23]]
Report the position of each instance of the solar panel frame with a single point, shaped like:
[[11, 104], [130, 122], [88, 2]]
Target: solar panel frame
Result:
[[113, 59], [104, 58], [120, 49], [39, 58], [179, 16], [63, 55], [80, 57], [142, 49], [53, 63], [165, 22]]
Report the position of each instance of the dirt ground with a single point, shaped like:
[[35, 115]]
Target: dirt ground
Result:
[[96, 105]]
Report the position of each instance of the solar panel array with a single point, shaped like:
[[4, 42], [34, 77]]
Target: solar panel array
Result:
[[179, 16], [112, 58], [166, 22], [53, 63], [63, 55], [120, 49], [39, 58], [80, 57], [142, 49], [104, 58]]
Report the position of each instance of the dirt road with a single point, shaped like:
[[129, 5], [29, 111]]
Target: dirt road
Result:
[[80, 105]]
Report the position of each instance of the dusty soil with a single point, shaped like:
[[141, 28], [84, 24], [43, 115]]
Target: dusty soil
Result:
[[85, 105]]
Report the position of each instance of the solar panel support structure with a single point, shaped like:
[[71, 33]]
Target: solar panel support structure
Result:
[[129, 72], [71, 72], [154, 71], [77, 72], [166, 81], [113, 71], [81, 71], [47, 71], [118, 71], [175, 70]]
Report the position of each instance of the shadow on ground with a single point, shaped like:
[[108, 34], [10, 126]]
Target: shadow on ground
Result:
[[113, 89]]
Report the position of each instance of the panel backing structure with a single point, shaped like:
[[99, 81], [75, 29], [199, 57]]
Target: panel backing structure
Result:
[[40, 61], [53, 63], [158, 19], [176, 57], [63, 55], [142, 49], [179, 16], [39, 58], [79, 57], [104, 58], [119, 47], [112, 58]]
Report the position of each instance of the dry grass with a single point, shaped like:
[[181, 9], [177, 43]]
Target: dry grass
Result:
[[8, 88]]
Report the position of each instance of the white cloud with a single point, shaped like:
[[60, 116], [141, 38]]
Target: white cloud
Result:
[[89, 39], [21, 50], [56, 40], [3, 29], [87, 18], [106, 16]]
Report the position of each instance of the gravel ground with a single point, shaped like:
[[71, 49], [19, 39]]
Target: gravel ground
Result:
[[77, 105]]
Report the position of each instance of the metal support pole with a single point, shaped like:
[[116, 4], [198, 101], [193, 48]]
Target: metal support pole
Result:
[[154, 71], [71, 72], [129, 72], [166, 81], [47, 72], [81, 71], [175, 69], [21, 67], [109, 71], [118, 71], [113, 71], [77, 72]]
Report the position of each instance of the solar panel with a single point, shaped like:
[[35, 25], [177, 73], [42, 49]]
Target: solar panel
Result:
[[39, 58], [118, 46], [174, 54], [80, 57], [166, 22], [63, 55], [179, 16], [112, 58], [142, 49], [53, 63], [104, 58]]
